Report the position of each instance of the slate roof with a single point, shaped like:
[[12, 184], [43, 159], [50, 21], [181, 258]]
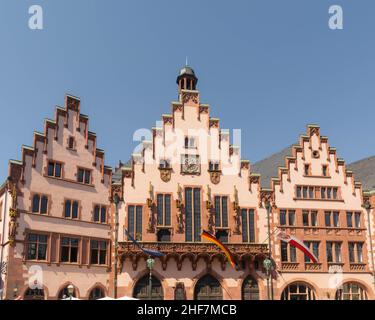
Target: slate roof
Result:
[[364, 171], [268, 167]]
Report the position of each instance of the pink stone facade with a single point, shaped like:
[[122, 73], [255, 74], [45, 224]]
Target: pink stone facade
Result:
[[58, 215], [53, 203]]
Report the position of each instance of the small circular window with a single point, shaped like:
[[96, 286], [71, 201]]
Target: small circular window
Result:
[[315, 154]]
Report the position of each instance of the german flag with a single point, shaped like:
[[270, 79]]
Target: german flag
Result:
[[208, 236]]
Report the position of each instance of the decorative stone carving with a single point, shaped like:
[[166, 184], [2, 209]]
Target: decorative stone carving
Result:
[[192, 251], [151, 205], [116, 189], [151, 220], [190, 96], [211, 221], [128, 173], [215, 176], [167, 119], [203, 109], [120, 263], [164, 262], [12, 230], [290, 266], [72, 103], [245, 164], [210, 216], [266, 197], [214, 123], [191, 165], [180, 222], [254, 179], [236, 216], [165, 174], [314, 130], [179, 205], [177, 107]]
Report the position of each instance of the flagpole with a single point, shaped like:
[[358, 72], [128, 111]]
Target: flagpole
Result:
[[150, 264], [116, 200]]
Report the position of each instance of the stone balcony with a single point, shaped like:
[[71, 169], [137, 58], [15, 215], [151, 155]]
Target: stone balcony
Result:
[[290, 266], [193, 251], [313, 267], [357, 267]]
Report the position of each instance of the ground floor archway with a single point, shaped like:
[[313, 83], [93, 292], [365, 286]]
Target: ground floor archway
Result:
[[351, 291], [34, 294], [298, 291], [250, 289], [142, 289], [208, 288]]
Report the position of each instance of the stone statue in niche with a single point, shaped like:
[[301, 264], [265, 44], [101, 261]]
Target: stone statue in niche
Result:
[[12, 229], [150, 205], [179, 205], [210, 211], [236, 216]]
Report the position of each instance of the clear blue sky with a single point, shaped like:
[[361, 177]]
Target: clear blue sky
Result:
[[266, 67]]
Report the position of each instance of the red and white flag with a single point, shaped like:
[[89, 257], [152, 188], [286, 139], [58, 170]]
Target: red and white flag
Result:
[[295, 242]]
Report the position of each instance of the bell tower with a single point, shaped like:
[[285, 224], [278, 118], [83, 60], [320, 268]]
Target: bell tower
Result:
[[186, 79]]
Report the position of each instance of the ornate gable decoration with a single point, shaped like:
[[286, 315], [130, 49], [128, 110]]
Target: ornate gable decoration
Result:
[[190, 95], [61, 113], [214, 123]]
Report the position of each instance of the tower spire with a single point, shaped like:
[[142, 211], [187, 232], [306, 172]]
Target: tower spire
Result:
[[186, 79]]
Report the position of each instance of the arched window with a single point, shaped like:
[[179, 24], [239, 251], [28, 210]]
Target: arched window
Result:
[[351, 291], [96, 293], [64, 293], [142, 289], [298, 291], [250, 289], [208, 288], [34, 294]]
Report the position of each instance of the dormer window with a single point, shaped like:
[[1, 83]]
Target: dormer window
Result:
[[213, 166], [190, 143]]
